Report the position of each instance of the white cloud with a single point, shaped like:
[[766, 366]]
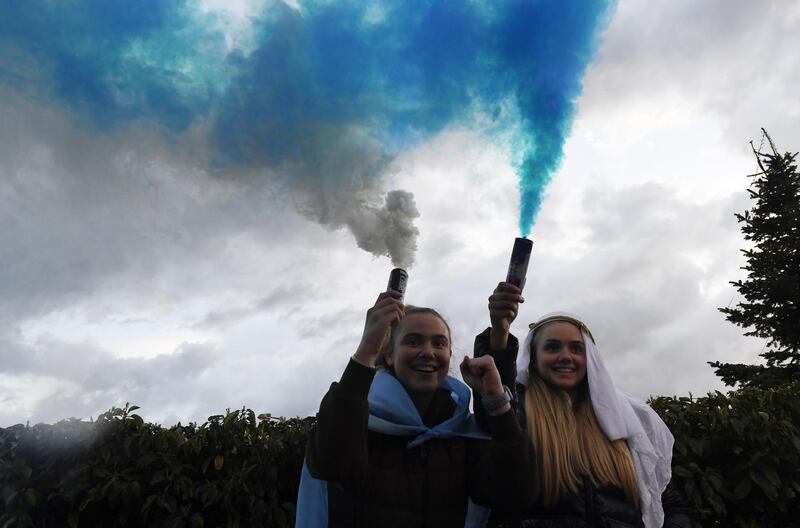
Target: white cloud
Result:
[[732, 60]]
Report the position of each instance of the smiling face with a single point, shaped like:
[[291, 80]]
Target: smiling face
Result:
[[560, 355], [420, 353]]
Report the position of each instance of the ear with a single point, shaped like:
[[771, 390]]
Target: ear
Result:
[[388, 359]]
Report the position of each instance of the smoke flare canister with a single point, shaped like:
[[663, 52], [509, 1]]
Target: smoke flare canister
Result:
[[398, 279], [518, 266]]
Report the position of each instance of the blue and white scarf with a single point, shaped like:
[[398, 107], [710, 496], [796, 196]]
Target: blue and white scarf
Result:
[[392, 412]]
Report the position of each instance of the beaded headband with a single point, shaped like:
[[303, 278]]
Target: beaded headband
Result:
[[580, 324]]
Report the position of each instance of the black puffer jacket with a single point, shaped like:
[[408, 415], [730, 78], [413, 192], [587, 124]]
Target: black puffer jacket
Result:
[[594, 507], [604, 507]]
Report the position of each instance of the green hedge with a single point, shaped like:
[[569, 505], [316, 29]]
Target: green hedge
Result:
[[737, 456], [120, 471], [736, 459]]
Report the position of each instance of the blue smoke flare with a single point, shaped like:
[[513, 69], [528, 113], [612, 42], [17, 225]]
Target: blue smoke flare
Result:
[[318, 82]]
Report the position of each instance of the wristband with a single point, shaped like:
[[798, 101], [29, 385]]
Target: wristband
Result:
[[493, 404]]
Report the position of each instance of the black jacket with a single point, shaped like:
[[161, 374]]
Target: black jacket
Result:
[[376, 480], [594, 507]]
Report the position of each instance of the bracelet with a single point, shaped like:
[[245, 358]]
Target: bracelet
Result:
[[493, 404]]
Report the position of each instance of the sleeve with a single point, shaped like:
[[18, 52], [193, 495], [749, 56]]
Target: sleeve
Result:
[[501, 472], [337, 445], [506, 361], [676, 511]]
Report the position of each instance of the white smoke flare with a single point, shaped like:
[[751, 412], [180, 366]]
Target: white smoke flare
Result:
[[388, 229]]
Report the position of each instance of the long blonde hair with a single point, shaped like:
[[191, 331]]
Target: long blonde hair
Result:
[[568, 443]]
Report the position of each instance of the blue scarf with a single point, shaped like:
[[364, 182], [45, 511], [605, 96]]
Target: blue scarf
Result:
[[392, 412]]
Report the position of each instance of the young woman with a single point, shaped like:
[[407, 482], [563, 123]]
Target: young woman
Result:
[[398, 446], [597, 458]]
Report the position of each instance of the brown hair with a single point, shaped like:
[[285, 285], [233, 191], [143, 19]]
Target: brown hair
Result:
[[568, 442], [380, 361]]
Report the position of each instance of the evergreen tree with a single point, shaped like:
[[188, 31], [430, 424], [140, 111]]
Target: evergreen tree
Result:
[[771, 291]]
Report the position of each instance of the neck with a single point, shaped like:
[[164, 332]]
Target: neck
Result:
[[421, 400], [577, 394], [573, 396]]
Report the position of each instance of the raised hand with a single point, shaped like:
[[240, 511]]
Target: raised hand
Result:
[[503, 308], [386, 312]]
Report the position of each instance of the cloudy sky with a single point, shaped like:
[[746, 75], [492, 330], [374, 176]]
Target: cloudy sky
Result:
[[162, 246]]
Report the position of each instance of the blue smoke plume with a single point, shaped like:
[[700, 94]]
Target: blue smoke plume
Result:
[[323, 95]]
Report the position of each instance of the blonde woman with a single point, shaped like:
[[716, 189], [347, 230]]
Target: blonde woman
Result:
[[597, 458]]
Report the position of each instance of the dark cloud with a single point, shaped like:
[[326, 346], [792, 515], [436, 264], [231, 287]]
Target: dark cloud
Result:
[[89, 380], [283, 297], [83, 213], [351, 319]]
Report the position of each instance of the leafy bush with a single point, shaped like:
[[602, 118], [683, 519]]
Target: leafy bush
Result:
[[737, 456], [120, 471], [736, 460]]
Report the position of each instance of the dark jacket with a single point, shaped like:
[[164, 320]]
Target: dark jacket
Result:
[[376, 480], [594, 507]]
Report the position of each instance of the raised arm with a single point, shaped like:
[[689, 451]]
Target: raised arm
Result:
[[497, 342], [337, 446]]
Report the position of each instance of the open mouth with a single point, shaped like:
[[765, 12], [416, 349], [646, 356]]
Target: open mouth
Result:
[[426, 369], [565, 370]]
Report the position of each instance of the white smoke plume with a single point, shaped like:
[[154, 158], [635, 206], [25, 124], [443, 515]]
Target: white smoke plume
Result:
[[339, 182], [388, 229]]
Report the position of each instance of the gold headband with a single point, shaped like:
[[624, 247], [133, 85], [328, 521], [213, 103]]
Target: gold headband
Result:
[[535, 326]]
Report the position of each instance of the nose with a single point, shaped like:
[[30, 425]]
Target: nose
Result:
[[426, 350], [565, 355]]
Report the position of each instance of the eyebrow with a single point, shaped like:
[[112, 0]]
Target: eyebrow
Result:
[[412, 334], [559, 341]]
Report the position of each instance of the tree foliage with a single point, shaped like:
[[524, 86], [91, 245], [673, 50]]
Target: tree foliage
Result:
[[770, 308]]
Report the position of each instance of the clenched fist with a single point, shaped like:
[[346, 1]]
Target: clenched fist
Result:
[[482, 377]]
